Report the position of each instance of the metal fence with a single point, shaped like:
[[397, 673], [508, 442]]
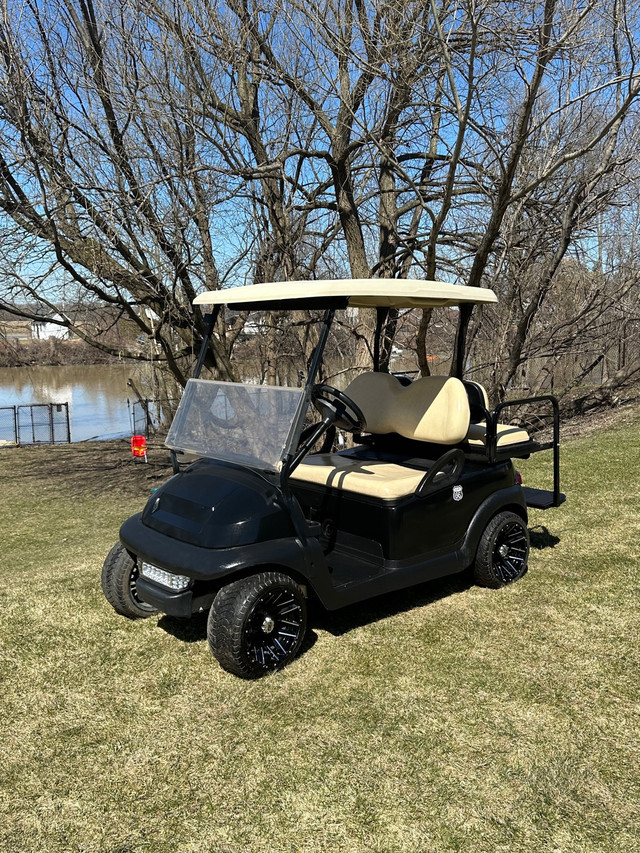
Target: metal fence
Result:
[[149, 417], [8, 425], [38, 423]]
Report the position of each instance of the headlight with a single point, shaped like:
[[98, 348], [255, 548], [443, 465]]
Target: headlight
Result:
[[168, 579]]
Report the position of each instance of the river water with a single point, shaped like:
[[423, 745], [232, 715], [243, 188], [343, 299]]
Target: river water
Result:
[[97, 395]]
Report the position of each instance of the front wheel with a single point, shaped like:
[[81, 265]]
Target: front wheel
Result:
[[257, 624], [119, 574], [503, 551]]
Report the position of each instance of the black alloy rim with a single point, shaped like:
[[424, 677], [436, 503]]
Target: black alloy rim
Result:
[[273, 628], [133, 592], [510, 552]]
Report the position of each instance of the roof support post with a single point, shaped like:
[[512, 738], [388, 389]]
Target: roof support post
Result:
[[461, 340], [210, 321], [381, 319], [316, 361]]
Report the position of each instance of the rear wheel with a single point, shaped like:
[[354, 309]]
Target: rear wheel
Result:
[[503, 551], [257, 624], [119, 575]]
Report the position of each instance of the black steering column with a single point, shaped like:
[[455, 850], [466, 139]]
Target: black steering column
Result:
[[337, 410]]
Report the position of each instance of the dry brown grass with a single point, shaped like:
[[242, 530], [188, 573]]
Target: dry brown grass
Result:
[[447, 718]]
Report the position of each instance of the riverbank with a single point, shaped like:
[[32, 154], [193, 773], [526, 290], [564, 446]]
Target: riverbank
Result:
[[91, 467], [24, 353]]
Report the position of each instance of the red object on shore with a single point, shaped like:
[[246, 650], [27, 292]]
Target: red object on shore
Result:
[[139, 446]]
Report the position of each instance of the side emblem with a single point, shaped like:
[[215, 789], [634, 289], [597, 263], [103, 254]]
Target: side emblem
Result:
[[457, 493]]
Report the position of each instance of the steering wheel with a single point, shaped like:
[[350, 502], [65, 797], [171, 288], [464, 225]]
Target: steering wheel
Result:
[[339, 408]]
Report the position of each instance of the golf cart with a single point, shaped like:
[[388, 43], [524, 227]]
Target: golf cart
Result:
[[258, 524]]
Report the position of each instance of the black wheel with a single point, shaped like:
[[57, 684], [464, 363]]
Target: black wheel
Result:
[[503, 551], [119, 574], [257, 624]]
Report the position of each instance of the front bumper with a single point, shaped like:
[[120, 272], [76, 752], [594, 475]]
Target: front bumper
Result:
[[181, 604], [209, 568]]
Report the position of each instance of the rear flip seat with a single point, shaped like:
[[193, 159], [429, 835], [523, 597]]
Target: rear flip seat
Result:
[[477, 434]]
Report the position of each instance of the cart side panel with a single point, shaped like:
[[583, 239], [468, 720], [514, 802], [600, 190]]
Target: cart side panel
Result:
[[407, 528]]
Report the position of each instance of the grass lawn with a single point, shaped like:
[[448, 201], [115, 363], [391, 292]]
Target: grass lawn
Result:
[[447, 718]]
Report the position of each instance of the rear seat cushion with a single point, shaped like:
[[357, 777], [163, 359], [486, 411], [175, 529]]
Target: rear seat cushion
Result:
[[477, 435], [432, 408], [507, 435]]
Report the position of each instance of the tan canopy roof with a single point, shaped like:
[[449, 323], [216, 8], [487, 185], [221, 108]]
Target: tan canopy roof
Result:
[[358, 292]]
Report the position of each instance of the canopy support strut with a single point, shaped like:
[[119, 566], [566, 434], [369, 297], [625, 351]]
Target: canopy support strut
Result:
[[210, 321]]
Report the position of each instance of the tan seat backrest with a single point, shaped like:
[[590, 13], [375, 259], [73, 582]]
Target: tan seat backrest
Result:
[[432, 408]]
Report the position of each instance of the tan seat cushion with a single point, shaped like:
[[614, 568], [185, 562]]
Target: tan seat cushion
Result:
[[507, 435], [383, 480], [432, 408]]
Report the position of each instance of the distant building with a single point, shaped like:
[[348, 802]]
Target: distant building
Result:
[[33, 322], [44, 329]]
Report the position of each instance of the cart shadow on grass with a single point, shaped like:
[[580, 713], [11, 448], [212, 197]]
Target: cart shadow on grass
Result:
[[541, 538], [340, 622]]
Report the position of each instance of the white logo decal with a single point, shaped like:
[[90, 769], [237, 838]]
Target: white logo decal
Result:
[[457, 493]]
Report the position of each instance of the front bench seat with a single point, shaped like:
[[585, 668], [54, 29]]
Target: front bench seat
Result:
[[432, 409], [386, 481]]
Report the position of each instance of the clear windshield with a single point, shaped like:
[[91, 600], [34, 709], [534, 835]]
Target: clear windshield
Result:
[[248, 424]]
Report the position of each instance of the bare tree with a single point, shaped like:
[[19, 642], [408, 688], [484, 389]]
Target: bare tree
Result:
[[98, 176], [152, 148]]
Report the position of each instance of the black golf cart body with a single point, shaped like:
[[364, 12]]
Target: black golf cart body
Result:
[[428, 489]]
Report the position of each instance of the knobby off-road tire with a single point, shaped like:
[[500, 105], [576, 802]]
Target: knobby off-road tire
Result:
[[119, 574], [257, 624], [503, 551]]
